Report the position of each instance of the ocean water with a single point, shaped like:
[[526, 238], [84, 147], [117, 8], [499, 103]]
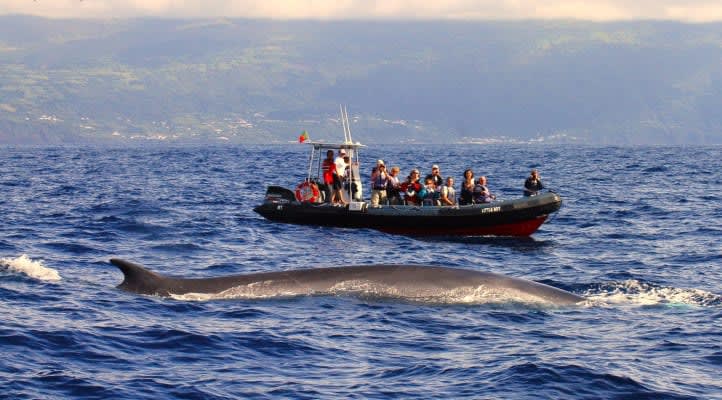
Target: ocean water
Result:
[[638, 234]]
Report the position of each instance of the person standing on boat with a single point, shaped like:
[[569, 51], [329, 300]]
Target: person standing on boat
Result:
[[379, 184], [448, 193], [467, 188], [329, 167], [392, 188], [482, 193], [338, 177], [533, 184], [436, 176], [350, 185]]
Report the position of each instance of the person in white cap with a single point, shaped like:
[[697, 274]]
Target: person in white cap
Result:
[[435, 175], [379, 184], [338, 178]]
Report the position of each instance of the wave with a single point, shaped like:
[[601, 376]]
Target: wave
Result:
[[31, 268], [633, 291]]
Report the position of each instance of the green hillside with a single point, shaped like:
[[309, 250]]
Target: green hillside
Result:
[[79, 81]]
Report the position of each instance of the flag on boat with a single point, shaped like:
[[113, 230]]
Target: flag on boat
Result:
[[303, 137]]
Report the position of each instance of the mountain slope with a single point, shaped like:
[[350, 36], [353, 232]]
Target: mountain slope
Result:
[[67, 81]]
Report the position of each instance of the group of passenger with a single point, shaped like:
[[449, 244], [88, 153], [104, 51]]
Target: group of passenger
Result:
[[475, 191], [388, 188]]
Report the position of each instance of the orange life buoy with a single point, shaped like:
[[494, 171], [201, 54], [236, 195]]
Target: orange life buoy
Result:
[[308, 191]]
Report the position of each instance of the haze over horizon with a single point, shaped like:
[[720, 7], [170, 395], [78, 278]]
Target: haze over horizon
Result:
[[692, 11]]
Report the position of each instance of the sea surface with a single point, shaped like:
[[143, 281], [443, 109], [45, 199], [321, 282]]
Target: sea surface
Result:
[[639, 234]]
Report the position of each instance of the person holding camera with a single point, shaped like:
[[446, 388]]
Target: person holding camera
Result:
[[435, 175], [430, 196], [379, 184], [533, 184], [411, 188]]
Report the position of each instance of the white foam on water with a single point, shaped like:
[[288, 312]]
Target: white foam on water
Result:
[[642, 293], [194, 297], [432, 295], [255, 290], [32, 268], [366, 289]]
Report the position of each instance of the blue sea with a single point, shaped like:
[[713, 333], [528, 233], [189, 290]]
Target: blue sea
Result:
[[638, 234]]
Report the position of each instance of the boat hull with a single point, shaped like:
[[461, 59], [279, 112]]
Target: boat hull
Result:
[[520, 217], [521, 228]]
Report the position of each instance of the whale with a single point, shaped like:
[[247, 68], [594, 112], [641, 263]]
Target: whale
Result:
[[410, 282]]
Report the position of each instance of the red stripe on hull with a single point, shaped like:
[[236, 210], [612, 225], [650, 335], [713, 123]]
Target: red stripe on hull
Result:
[[522, 228]]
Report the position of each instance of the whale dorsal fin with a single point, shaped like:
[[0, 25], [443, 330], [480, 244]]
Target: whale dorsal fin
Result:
[[138, 279]]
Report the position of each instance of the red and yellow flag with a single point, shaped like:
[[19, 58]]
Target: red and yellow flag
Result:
[[303, 137]]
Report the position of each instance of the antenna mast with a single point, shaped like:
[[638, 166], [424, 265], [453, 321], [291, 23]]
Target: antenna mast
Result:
[[346, 125]]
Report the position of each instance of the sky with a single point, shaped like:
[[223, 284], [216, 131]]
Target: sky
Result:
[[694, 11]]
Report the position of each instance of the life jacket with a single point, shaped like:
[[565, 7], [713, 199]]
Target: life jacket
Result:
[[379, 183], [450, 192], [412, 191], [328, 169], [482, 194]]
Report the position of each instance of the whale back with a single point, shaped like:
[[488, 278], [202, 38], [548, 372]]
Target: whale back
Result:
[[414, 282], [406, 281]]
